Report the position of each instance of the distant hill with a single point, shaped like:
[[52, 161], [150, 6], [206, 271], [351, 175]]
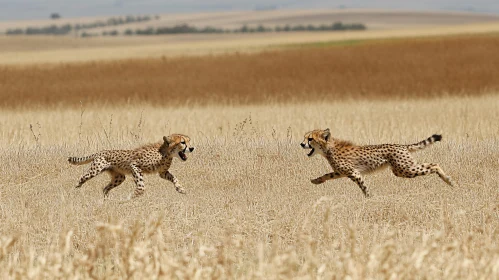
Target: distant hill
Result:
[[37, 9], [271, 18]]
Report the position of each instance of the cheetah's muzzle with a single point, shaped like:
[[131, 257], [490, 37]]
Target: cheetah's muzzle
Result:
[[182, 155], [307, 146]]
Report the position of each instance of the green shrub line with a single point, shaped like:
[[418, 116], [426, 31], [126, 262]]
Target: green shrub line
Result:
[[68, 28], [177, 29], [185, 29]]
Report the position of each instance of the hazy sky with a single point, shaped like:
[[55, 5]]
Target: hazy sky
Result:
[[41, 9]]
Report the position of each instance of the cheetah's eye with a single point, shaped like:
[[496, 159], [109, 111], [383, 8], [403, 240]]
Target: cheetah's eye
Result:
[[183, 142], [310, 139]]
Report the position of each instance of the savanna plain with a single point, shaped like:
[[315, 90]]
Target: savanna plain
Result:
[[250, 211]]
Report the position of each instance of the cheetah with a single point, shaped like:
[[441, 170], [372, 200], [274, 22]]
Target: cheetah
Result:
[[151, 158], [349, 160]]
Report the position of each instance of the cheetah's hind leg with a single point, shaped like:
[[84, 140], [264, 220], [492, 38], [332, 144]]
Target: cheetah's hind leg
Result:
[[424, 169], [116, 180], [97, 167]]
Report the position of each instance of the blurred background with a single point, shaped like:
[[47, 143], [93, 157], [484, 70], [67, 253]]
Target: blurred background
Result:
[[38, 9], [142, 29]]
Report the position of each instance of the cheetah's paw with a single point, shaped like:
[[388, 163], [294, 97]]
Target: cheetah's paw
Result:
[[317, 181]]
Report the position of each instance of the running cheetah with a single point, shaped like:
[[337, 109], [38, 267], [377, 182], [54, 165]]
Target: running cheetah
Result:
[[152, 158], [349, 160]]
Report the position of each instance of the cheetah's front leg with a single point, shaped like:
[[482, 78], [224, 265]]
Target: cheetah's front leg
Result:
[[324, 178], [357, 178], [139, 181], [170, 177]]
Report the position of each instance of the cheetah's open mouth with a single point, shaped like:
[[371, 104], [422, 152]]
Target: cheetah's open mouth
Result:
[[182, 155], [311, 152]]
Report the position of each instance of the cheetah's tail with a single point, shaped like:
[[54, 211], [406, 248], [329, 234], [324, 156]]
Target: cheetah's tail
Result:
[[81, 160], [421, 145]]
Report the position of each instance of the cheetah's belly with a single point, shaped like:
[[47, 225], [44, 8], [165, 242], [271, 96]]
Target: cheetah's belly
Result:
[[154, 165]]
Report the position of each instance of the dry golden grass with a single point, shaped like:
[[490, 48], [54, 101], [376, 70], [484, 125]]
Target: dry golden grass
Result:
[[250, 211], [453, 66]]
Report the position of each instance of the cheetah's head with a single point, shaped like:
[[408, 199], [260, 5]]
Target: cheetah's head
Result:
[[178, 145], [316, 141]]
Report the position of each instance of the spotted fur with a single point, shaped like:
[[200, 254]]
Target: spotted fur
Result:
[[152, 158], [349, 160]]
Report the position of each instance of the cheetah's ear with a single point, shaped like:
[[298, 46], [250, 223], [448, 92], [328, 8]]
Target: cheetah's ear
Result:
[[326, 134], [166, 140]]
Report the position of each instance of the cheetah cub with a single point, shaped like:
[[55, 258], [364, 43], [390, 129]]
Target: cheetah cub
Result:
[[349, 160], [152, 158]]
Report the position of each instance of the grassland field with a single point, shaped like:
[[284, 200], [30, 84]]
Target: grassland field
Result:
[[251, 211]]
